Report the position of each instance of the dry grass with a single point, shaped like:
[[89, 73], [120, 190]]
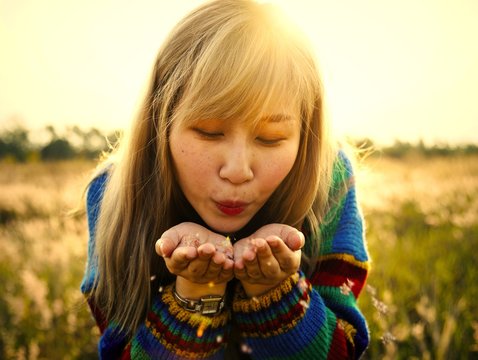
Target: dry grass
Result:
[[43, 252], [42, 260], [384, 181]]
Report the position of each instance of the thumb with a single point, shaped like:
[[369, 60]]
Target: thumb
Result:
[[166, 244], [293, 238]]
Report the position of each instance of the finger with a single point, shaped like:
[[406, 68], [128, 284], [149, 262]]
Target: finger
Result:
[[168, 241], [158, 247], [206, 251], [244, 252], [199, 267], [267, 262], [249, 254], [216, 264], [251, 260], [228, 265], [282, 253], [240, 271], [222, 261], [226, 274], [293, 238], [180, 259], [165, 246]]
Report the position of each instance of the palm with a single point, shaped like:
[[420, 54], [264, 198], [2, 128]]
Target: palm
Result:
[[196, 253], [267, 257]]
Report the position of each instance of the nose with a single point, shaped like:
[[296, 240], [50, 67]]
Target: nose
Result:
[[236, 166]]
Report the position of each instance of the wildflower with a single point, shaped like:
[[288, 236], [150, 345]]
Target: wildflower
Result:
[[371, 290], [388, 338], [381, 307]]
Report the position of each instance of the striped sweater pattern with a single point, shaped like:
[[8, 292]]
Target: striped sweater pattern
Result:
[[313, 317]]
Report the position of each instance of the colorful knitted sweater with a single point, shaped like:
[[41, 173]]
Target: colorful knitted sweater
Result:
[[303, 318]]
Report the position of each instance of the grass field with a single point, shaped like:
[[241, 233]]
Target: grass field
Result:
[[422, 230]]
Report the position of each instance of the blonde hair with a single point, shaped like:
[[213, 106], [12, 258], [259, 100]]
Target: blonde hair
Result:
[[228, 59]]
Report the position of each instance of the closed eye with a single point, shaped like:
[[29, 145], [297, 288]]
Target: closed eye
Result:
[[269, 142], [207, 134]]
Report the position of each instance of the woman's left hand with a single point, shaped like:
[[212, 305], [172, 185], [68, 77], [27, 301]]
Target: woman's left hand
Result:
[[267, 257]]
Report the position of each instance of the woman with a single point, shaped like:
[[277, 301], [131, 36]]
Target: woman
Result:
[[230, 165]]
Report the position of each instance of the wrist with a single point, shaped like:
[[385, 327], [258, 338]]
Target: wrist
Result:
[[253, 290], [194, 291]]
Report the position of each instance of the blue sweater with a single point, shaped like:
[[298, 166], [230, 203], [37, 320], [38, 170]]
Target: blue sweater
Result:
[[313, 317]]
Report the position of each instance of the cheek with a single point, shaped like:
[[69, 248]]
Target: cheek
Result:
[[275, 170], [190, 163]]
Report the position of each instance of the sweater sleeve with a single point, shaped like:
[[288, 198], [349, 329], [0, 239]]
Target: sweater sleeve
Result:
[[94, 196], [169, 332], [316, 317]]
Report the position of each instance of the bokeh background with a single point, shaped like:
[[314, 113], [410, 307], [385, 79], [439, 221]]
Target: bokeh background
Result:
[[401, 78]]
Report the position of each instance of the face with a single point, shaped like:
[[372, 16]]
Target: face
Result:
[[227, 170]]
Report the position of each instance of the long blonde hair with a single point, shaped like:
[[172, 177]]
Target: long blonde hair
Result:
[[227, 59]]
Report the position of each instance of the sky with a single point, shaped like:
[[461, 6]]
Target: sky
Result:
[[392, 70]]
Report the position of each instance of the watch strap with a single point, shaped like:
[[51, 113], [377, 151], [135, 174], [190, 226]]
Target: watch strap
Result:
[[206, 305]]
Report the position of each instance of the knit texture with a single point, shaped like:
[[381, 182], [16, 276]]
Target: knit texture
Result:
[[302, 318]]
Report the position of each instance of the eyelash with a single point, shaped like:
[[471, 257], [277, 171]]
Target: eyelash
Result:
[[208, 135], [215, 135], [269, 142]]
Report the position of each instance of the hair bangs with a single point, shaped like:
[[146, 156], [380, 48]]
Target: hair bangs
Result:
[[247, 74]]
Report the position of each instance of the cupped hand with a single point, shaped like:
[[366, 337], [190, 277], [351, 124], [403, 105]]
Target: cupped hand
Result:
[[267, 257], [196, 254]]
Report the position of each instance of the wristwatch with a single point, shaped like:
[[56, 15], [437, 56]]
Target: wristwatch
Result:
[[206, 305]]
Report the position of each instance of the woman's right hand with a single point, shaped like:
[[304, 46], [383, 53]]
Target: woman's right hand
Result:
[[197, 256]]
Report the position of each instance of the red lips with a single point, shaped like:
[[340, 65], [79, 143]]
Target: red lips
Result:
[[231, 208]]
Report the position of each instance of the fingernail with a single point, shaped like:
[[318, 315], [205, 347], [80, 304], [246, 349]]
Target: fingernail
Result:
[[273, 241], [218, 259], [302, 238], [249, 257], [159, 244], [259, 243], [207, 250]]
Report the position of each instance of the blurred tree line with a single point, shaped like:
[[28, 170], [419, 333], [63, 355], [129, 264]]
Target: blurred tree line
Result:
[[401, 149], [16, 144]]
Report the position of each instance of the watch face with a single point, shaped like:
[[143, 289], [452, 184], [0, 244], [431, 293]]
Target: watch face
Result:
[[211, 305]]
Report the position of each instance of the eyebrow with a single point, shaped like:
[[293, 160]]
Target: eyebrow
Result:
[[278, 118]]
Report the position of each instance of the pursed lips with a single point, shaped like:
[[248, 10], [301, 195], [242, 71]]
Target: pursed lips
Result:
[[231, 208]]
